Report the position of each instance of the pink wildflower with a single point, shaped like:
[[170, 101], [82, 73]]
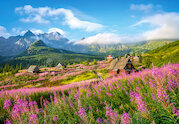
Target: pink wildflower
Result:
[[99, 120], [55, 118], [7, 103], [126, 119]]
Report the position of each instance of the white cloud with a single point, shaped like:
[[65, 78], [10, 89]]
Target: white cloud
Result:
[[110, 38], [43, 14], [37, 31], [57, 30], [102, 38], [166, 26], [3, 32], [35, 18], [141, 7], [76, 23], [16, 31]]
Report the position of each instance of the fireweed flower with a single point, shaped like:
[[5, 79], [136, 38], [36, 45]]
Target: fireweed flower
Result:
[[81, 112], [55, 118], [33, 118], [7, 103], [173, 71], [55, 100], [16, 111], [141, 105], [108, 94], [137, 88], [153, 96], [162, 95], [152, 85], [177, 112], [77, 95], [126, 119], [111, 114], [7, 121], [37, 110], [99, 120], [172, 84], [71, 104], [63, 99]]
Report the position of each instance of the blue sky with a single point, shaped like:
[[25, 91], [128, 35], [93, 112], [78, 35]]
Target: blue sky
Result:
[[102, 21]]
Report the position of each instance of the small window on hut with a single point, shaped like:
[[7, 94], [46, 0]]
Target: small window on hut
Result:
[[129, 65]]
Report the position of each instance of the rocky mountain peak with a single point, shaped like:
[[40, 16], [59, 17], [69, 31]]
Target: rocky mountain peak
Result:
[[29, 34]]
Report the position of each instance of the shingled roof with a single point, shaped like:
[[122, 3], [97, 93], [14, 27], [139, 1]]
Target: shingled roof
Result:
[[33, 68], [59, 66], [113, 64], [119, 63], [122, 63]]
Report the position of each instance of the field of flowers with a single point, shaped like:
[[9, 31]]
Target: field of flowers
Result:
[[145, 97], [52, 76]]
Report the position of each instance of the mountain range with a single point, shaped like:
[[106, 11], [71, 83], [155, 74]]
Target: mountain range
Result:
[[39, 53], [16, 45]]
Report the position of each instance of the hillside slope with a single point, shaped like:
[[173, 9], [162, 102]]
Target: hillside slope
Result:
[[40, 54], [123, 48], [163, 55]]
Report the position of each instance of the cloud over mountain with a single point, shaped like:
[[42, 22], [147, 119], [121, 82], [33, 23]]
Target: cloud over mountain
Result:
[[102, 38], [3, 32], [166, 26], [43, 14], [57, 30]]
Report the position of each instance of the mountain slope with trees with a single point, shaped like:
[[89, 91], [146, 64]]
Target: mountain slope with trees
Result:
[[163, 55]]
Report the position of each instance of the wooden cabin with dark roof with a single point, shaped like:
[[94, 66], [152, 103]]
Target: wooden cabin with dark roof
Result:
[[33, 69], [123, 65], [59, 66]]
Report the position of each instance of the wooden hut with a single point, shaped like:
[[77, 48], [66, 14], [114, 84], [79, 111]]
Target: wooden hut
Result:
[[127, 55], [33, 69], [123, 65], [59, 66]]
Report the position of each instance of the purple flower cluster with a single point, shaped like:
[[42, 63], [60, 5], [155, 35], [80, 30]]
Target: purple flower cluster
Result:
[[81, 112], [152, 85], [99, 120], [139, 100], [162, 95], [111, 115], [126, 119], [55, 118], [33, 118], [7, 104], [153, 96], [109, 94], [172, 85]]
